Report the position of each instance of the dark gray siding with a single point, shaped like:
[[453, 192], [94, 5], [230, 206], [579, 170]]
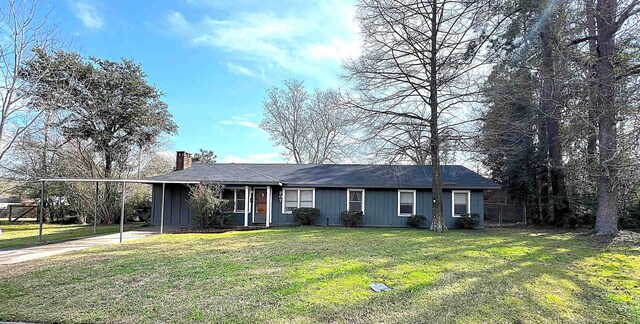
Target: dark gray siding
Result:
[[176, 208], [331, 202], [381, 207], [477, 207]]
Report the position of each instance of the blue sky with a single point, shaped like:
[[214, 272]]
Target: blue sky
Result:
[[214, 59]]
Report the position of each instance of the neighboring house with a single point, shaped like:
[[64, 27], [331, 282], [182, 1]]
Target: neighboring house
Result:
[[266, 194], [5, 202]]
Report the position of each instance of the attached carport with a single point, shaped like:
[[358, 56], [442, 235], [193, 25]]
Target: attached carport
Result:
[[97, 182]]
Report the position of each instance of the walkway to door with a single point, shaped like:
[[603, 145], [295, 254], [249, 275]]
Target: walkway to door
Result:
[[12, 256]]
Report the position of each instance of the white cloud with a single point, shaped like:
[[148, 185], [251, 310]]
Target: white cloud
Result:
[[178, 22], [336, 50], [272, 157], [244, 121], [239, 69], [310, 40], [248, 124], [89, 14]]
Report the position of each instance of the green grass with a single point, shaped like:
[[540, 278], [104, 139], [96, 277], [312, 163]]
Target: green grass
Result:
[[323, 275], [21, 234]]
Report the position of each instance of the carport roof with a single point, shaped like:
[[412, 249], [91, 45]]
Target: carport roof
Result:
[[329, 175]]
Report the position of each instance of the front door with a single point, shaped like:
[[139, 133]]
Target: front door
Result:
[[260, 206]]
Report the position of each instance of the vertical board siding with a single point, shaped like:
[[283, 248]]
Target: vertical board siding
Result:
[[381, 207], [176, 205], [449, 220], [156, 191], [477, 206], [331, 203]]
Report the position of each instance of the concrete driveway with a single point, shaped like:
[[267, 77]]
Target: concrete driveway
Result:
[[17, 255]]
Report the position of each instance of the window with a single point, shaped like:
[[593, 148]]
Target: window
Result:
[[298, 198], [290, 200], [240, 201], [406, 202], [461, 203], [238, 197], [355, 200]]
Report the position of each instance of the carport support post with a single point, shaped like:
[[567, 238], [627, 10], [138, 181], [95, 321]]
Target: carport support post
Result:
[[95, 210], [162, 210], [124, 185], [41, 210], [246, 205]]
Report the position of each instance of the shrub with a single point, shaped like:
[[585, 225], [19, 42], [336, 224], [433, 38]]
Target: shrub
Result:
[[306, 216], [416, 221], [467, 221], [628, 223], [207, 209], [351, 218], [631, 219], [572, 221], [138, 205]]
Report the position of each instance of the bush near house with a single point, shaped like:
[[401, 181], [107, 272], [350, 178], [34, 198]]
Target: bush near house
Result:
[[138, 204], [306, 216], [631, 219], [208, 210], [467, 221], [416, 221], [351, 218]]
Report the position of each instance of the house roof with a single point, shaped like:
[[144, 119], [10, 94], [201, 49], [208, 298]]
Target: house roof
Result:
[[330, 175]]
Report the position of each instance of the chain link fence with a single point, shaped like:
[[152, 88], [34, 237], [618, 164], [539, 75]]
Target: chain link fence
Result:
[[497, 214]]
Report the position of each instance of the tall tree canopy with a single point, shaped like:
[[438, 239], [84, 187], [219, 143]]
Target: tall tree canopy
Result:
[[205, 156], [416, 69], [106, 106], [310, 126], [582, 57], [107, 103]]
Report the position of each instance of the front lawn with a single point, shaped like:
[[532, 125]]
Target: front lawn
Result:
[[21, 234], [323, 275]]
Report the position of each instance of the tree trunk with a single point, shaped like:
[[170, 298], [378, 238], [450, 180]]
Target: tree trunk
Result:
[[607, 215], [592, 134], [542, 171], [559, 204], [110, 200], [437, 223]]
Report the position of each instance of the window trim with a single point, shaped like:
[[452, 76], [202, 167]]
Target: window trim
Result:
[[453, 202], [235, 201], [235, 198], [414, 202], [349, 197], [284, 198]]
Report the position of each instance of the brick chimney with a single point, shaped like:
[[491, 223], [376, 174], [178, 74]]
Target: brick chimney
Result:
[[183, 160]]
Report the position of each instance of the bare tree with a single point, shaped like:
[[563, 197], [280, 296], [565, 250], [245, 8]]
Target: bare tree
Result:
[[24, 28], [284, 117], [399, 140], [313, 128], [417, 66]]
